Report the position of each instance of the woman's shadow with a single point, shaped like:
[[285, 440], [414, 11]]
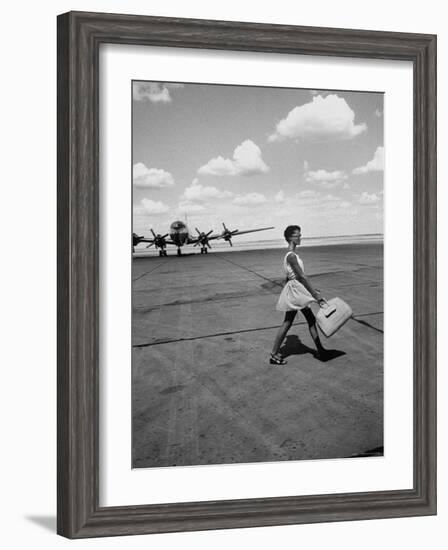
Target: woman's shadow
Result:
[[294, 346]]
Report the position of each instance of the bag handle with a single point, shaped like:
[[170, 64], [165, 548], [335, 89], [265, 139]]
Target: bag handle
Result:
[[328, 310]]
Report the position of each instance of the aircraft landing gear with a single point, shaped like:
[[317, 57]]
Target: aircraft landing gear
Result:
[[179, 252], [204, 250]]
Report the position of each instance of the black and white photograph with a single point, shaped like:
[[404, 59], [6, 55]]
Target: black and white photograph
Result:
[[257, 274], [224, 334]]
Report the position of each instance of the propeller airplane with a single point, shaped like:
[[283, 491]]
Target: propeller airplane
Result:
[[180, 236]]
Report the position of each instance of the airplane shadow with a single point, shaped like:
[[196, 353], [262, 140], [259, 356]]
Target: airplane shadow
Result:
[[294, 346]]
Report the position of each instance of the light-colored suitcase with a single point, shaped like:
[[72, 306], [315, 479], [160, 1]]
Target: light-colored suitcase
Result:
[[331, 317]]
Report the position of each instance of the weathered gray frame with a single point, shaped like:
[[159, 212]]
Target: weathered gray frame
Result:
[[79, 37]]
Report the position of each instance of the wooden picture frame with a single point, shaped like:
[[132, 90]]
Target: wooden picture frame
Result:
[[79, 37]]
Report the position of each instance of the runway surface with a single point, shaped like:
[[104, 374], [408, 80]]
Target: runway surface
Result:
[[203, 389]]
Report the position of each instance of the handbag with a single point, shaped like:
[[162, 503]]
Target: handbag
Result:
[[331, 317]]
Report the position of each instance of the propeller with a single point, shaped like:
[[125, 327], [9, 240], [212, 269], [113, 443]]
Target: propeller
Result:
[[136, 239], [203, 238], [159, 240], [227, 234]]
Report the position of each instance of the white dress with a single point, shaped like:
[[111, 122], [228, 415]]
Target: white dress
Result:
[[294, 295]]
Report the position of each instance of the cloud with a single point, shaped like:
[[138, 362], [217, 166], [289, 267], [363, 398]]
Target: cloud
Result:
[[308, 194], [325, 178], [377, 113], [156, 92], [368, 198], [219, 166], [311, 198], [280, 197], [330, 198], [251, 199], [374, 165], [190, 207], [247, 161], [151, 177], [201, 193], [323, 119], [153, 208]]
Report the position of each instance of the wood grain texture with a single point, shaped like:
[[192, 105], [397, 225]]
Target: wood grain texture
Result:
[[79, 37]]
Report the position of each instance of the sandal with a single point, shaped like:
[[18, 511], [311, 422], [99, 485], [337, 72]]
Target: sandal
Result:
[[277, 360]]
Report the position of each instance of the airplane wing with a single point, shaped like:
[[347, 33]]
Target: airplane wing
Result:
[[146, 240], [194, 240], [151, 241], [237, 232], [227, 235]]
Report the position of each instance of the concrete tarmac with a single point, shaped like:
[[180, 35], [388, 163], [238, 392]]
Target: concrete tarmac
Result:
[[203, 389]]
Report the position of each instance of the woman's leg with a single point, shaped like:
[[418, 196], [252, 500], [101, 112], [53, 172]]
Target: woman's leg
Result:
[[311, 320], [287, 323]]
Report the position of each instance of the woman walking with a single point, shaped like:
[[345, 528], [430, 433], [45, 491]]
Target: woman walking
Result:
[[297, 294]]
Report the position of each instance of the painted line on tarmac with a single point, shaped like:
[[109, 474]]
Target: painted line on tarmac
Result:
[[148, 272], [366, 324], [314, 276], [159, 342], [253, 272], [230, 333]]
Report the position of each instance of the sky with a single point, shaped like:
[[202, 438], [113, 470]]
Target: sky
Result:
[[255, 157]]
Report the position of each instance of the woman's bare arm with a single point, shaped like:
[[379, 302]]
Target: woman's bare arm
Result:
[[292, 261]]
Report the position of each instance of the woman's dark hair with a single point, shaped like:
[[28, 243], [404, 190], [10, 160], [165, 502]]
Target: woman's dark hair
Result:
[[289, 231]]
